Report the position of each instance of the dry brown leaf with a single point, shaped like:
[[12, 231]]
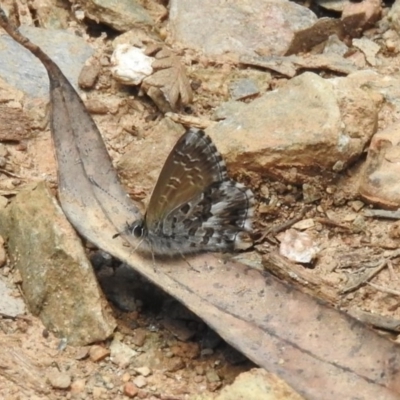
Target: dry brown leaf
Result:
[[170, 77]]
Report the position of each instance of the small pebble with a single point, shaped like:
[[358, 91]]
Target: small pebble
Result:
[[88, 76], [174, 364], [139, 337], [212, 376], [126, 377], [357, 205], [3, 256], [145, 371], [130, 390], [3, 150], [304, 224], [3, 202], [98, 353], [311, 193], [140, 381], [57, 379], [99, 393], [198, 379], [206, 352], [82, 353], [78, 386]]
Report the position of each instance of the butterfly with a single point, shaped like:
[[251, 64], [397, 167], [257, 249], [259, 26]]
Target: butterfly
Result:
[[195, 206]]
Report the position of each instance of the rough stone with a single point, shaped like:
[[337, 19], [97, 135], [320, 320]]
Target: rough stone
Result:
[[9, 304], [121, 15], [240, 27], [57, 279], [309, 124], [20, 69], [258, 384]]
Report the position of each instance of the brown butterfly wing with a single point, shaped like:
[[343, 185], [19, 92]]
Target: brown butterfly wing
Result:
[[193, 165]]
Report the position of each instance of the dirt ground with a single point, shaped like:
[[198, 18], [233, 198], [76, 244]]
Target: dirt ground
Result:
[[357, 270]]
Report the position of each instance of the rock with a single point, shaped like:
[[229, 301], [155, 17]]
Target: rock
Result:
[[139, 337], [121, 354], [3, 255], [243, 89], [57, 279], [333, 5], [20, 69], [78, 386], [57, 379], [304, 224], [356, 205], [289, 66], [357, 17], [394, 16], [144, 159], [335, 46], [258, 384], [311, 193], [98, 353], [212, 376], [144, 371], [242, 28], [394, 231], [140, 382], [10, 305], [305, 39], [89, 74], [51, 14], [369, 48], [121, 15], [130, 65], [174, 364], [297, 246], [379, 183], [310, 123], [130, 390]]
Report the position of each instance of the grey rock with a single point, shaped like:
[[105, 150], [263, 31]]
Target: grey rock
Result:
[[242, 27], [307, 125], [121, 15], [9, 304], [57, 279], [243, 88], [394, 16], [333, 5], [51, 14], [20, 69], [369, 48], [336, 46], [121, 354], [228, 108]]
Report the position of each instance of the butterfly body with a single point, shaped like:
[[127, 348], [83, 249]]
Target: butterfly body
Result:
[[194, 206]]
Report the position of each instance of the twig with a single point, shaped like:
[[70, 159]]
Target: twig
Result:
[[279, 228], [382, 214], [331, 222], [384, 290], [365, 278]]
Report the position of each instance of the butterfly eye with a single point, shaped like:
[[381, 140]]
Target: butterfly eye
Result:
[[138, 229]]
